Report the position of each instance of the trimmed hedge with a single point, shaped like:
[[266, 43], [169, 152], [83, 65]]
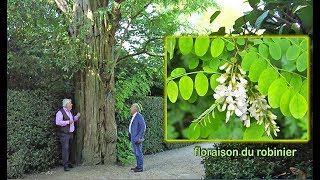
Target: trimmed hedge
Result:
[[152, 111], [254, 167], [32, 144]]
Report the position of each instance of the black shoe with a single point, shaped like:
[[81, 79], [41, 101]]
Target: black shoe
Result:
[[66, 169], [134, 168], [70, 166], [138, 170]]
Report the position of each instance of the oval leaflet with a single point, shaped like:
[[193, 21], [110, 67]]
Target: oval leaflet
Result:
[[185, 87], [172, 90], [201, 84]]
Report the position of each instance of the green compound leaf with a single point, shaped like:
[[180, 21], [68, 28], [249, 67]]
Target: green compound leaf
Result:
[[217, 126], [285, 100], [206, 57], [275, 51], [277, 40], [294, 41], [213, 81], [284, 44], [172, 89], [201, 45], [298, 106], [296, 82], [276, 90], [217, 46], [286, 75], [254, 132], [288, 65], [230, 46], [194, 131], [293, 52], [177, 72], [304, 90], [201, 84], [193, 97], [253, 49], [263, 50], [186, 87], [205, 129], [267, 40], [256, 69], [241, 41], [206, 67], [257, 41], [242, 53], [204, 132], [248, 59], [303, 44], [171, 43], [302, 62], [193, 63], [214, 64], [208, 128], [266, 78], [185, 45]]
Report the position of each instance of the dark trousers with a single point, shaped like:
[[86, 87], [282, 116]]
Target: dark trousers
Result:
[[137, 150], [65, 147]]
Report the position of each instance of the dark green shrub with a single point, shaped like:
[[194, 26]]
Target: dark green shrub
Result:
[[124, 149], [31, 143], [16, 164], [248, 167]]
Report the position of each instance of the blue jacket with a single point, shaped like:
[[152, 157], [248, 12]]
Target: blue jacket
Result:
[[138, 128]]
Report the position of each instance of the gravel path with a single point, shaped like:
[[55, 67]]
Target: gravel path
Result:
[[172, 164]]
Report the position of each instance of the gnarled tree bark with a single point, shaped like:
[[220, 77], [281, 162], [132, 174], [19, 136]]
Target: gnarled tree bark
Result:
[[96, 132]]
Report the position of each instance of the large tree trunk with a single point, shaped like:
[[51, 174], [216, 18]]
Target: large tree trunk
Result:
[[96, 132]]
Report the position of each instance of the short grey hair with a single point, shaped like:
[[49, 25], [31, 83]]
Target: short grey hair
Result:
[[65, 102], [137, 106]]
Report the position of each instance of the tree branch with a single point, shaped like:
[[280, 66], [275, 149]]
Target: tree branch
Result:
[[283, 20], [138, 53], [131, 55], [127, 29], [144, 51], [291, 18]]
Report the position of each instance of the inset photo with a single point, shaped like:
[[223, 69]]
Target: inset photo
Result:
[[237, 88]]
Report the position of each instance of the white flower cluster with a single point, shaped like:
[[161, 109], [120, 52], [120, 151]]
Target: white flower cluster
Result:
[[259, 110], [232, 93]]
